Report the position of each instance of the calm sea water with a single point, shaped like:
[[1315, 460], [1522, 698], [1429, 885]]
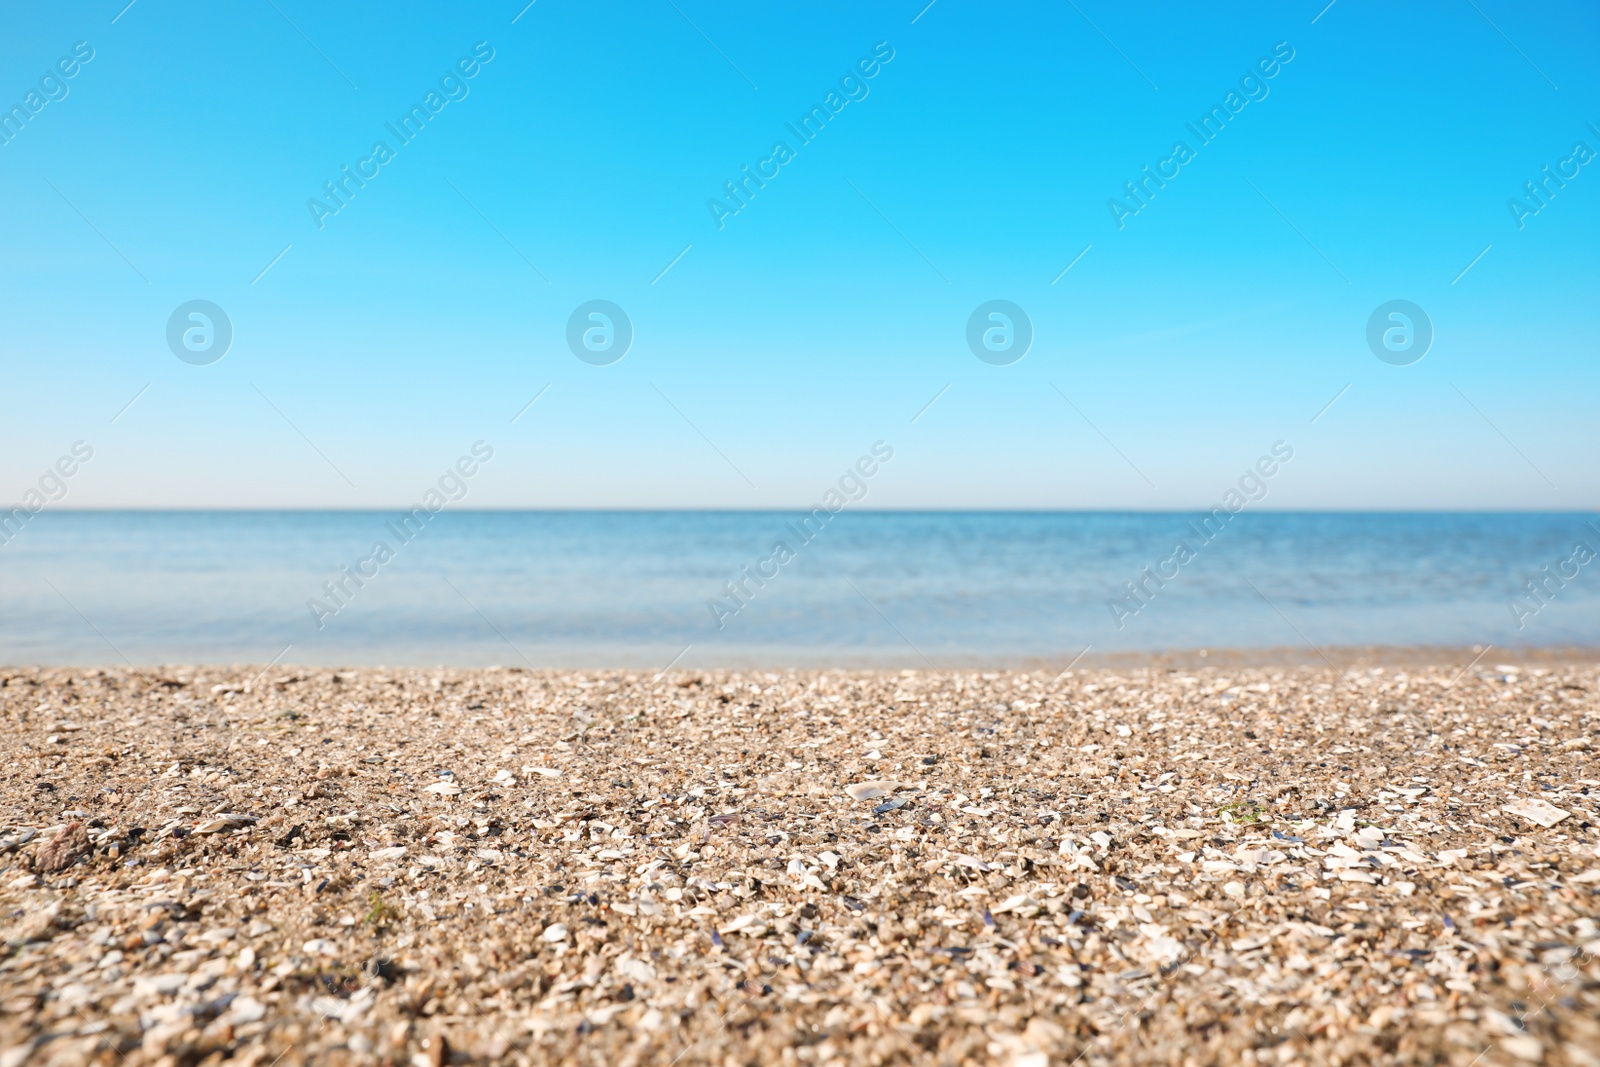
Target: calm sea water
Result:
[[882, 589]]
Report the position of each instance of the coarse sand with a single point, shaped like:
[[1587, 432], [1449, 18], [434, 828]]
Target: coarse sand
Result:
[[1176, 865]]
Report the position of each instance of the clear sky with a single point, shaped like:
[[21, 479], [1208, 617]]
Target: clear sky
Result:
[[772, 346]]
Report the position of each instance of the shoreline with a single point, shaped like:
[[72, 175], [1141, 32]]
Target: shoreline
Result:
[[1163, 863], [1283, 656]]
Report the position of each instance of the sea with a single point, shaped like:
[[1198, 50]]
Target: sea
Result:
[[659, 589]]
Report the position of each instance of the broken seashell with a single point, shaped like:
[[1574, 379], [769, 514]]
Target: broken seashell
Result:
[[872, 790]]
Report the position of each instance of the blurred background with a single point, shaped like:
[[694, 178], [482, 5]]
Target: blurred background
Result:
[[366, 350]]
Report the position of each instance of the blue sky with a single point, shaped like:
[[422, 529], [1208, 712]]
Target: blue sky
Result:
[[829, 311]]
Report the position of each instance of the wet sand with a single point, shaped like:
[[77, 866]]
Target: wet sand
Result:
[[1210, 861]]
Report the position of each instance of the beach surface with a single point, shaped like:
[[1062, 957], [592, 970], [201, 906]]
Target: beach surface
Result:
[[1180, 864]]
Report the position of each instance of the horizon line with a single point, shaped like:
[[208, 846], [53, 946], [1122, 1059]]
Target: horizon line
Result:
[[910, 510]]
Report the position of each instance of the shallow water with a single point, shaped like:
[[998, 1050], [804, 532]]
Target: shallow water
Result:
[[567, 589]]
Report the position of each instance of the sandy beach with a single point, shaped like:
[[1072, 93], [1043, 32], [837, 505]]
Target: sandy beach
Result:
[[1175, 864]]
